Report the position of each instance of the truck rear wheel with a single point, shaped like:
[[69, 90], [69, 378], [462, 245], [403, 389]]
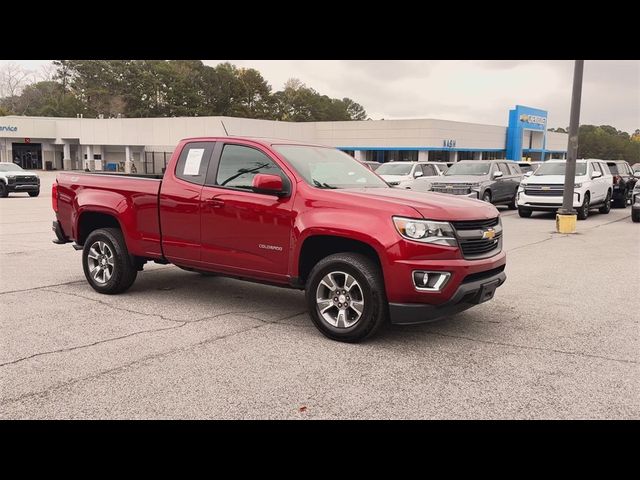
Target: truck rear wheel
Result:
[[346, 297], [107, 264]]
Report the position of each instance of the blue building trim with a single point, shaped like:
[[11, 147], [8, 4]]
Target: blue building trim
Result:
[[444, 149], [524, 118]]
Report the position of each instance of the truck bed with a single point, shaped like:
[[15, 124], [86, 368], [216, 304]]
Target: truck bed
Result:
[[132, 199]]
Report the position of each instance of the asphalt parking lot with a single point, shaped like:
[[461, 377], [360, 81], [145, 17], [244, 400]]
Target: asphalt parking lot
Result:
[[561, 339]]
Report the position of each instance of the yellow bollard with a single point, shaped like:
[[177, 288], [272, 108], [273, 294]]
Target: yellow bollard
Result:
[[565, 223]]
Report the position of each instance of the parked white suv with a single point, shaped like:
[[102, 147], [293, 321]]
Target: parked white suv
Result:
[[14, 179], [403, 173], [542, 190]]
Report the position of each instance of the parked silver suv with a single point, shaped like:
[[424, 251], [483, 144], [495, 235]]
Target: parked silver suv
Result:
[[494, 181]]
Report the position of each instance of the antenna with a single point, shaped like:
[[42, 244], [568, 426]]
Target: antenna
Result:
[[225, 128]]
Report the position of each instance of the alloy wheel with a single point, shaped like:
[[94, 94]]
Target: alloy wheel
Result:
[[339, 299], [101, 262]]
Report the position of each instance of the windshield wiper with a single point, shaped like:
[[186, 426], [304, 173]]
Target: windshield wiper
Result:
[[323, 184]]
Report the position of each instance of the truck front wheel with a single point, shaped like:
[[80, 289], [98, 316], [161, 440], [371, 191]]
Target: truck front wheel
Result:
[[107, 265], [346, 297]]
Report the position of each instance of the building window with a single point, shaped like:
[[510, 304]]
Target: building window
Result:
[[493, 155], [438, 156], [464, 155], [400, 155]]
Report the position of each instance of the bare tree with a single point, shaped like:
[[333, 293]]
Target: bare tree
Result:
[[13, 79], [46, 73]]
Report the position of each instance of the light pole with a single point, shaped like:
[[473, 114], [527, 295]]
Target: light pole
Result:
[[566, 216]]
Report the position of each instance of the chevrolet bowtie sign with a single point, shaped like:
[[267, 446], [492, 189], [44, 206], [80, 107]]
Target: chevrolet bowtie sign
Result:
[[533, 119]]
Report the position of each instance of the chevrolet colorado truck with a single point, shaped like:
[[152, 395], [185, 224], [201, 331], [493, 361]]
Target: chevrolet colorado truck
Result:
[[288, 214]]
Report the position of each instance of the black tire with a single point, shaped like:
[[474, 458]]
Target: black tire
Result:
[[606, 208], [635, 215], [622, 202], [34, 194], [486, 196], [124, 270], [513, 204], [583, 211], [369, 277], [524, 212], [4, 192]]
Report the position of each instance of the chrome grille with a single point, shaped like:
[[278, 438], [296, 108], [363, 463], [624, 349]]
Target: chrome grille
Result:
[[26, 180], [544, 190], [453, 188], [470, 233]]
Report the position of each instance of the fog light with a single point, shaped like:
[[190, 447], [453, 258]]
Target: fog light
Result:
[[430, 281]]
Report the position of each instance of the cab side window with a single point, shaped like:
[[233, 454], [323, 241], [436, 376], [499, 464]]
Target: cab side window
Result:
[[194, 161], [239, 164], [429, 170], [504, 169]]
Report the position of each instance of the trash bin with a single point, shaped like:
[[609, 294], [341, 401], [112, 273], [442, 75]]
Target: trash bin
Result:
[[48, 165], [112, 167]]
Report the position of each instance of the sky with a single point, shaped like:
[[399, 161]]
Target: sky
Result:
[[479, 91]]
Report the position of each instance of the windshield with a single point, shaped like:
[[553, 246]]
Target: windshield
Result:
[[557, 168], [468, 169], [325, 167], [394, 169], [10, 167]]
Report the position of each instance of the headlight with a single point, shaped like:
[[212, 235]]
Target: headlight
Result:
[[474, 185], [425, 231], [10, 176], [577, 185]]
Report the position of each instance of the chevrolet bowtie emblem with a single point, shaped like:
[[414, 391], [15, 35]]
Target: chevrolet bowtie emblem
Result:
[[488, 234]]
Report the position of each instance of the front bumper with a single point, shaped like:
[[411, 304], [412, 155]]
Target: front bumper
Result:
[[468, 294], [541, 202], [23, 188]]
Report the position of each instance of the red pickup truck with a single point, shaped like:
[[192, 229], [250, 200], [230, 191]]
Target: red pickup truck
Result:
[[294, 215]]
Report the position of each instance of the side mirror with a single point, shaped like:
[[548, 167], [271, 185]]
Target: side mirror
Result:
[[417, 174], [529, 173], [636, 175], [497, 174], [270, 184], [596, 174]]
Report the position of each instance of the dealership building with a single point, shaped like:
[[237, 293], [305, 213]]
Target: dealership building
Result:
[[104, 144]]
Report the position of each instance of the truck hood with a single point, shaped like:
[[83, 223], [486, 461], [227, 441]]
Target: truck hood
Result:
[[434, 206], [461, 179], [547, 180], [21, 173], [396, 178]]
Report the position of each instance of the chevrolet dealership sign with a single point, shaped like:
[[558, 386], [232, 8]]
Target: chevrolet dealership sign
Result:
[[533, 119]]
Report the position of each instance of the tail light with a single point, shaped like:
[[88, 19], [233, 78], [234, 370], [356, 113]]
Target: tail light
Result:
[[54, 196], [616, 179]]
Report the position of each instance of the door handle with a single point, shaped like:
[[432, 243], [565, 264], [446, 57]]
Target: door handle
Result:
[[214, 202]]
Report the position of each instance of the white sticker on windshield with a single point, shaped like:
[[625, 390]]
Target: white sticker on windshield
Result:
[[192, 164]]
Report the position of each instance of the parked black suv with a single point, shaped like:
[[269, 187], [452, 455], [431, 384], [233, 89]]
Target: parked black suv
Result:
[[494, 181], [623, 182]]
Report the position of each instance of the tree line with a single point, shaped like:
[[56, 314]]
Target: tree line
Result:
[[606, 142], [165, 88]]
